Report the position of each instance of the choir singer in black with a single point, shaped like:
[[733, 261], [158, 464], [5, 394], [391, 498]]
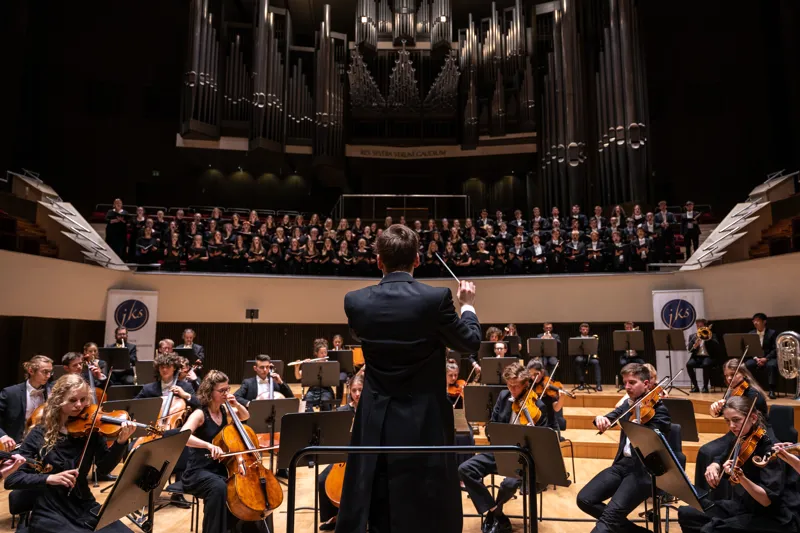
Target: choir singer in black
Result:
[[404, 327]]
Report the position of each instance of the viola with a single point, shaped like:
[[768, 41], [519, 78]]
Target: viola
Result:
[[109, 423], [253, 491]]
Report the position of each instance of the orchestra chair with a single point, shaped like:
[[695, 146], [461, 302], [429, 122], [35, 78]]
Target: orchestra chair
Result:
[[176, 487], [664, 500], [781, 418], [20, 504]]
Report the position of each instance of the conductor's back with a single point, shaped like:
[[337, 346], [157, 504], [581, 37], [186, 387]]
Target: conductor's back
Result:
[[404, 327]]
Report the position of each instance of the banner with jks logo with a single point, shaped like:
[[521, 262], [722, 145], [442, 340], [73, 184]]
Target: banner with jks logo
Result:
[[677, 310], [138, 312]]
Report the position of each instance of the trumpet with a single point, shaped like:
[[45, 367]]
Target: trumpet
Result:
[[704, 333]]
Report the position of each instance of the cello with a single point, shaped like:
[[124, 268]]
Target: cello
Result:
[[172, 415], [253, 491]]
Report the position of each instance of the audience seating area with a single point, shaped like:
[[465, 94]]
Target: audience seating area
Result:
[[217, 239]]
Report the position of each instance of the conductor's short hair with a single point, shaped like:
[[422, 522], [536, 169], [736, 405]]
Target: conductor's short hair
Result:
[[398, 247]]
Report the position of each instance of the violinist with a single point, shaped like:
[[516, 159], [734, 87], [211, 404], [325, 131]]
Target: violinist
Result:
[[455, 386], [327, 510], [755, 502], [582, 363], [740, 383], [626, 481], [64, 501], [19, 401], [167, 367], [553, 400], [653, 382], [205, 477], [123, 377], [321, 397], [264, 384], [11, 465], [518, 382]]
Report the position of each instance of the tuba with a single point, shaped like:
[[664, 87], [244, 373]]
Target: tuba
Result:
[[788, 344]]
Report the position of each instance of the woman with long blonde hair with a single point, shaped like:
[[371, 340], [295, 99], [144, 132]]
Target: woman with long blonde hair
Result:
[[64, 500]]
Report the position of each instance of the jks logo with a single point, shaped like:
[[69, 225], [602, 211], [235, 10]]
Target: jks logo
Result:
[[678, 314], [132, 314]]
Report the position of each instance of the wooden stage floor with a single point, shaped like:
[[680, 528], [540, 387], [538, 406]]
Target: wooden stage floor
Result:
[[593, 453]]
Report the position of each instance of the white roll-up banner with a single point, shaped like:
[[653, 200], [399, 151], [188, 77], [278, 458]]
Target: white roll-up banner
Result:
[[678, 309], [138, 312]]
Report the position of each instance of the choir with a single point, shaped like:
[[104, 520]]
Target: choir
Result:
[[481, 247]]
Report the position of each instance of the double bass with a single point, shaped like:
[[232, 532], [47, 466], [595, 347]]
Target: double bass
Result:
[[253, 491]]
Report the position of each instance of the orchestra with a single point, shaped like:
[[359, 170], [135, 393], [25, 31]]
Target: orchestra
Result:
[[754, 488]]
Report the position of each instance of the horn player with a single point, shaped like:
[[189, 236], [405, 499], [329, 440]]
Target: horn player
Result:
[[703, 349]]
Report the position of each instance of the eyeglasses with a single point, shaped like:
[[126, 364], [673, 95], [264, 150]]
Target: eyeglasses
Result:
[[223, 391]]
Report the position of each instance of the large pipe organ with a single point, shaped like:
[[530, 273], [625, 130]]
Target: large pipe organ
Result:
[[566, 74]]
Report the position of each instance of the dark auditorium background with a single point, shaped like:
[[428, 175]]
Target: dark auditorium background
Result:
[[92, 102]]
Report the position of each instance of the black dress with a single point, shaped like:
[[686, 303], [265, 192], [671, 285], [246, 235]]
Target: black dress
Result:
[[326, 264], [205, 478], [117, 232], [172, 258], [195, 262], [741, 512], [361, 266], [54, 510]]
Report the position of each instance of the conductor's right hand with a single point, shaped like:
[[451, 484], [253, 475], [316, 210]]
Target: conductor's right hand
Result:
[[713, 475], [65, 479], [466, 293], [215, 451]]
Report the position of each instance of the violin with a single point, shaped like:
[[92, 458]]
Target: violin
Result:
[[743, 450], [770, 456], [645, 407], [739, 389], [527, 406], [457, 388], [109, 423], [38, 466], [553, 390], [253, 491]]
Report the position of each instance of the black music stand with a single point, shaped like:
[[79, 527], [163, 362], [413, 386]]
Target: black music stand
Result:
[[736, 343], [144, 371], [188, 353], [487, 349], [669, 340], [278, 366], [585, 347], [346, 367], [661, 463], [301, 430], [266, 415], [321, 374], [58, 371], [492, 369], [122, 392], [465, 368], [513, 342], [479, 402], [116, 358], [144, 474], [626, 340], [682, 412], [542, 348]]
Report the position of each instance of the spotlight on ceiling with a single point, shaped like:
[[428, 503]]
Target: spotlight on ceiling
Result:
[[443, 18], [364, 20]]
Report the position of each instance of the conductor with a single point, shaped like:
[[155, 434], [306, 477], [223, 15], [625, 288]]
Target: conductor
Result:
[[404, 327]]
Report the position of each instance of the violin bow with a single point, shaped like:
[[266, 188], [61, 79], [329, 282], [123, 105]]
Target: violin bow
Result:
[[461, 392], [741, 360], [734, 455], [550, 377], [91, 429], [640, 400], [527, 395]]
